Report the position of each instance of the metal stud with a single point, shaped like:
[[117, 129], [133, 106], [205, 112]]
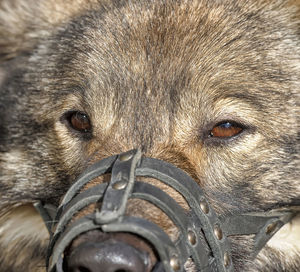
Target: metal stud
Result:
[[125, 157], [218, 232], [226, 259], [271, 227], [174, 263], [119, 185], [192, 237], [204, 207]]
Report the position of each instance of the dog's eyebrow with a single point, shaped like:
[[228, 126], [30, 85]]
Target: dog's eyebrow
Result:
[[77, 89], [246, 98]]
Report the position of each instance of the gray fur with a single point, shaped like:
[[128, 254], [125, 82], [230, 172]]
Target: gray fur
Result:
[[159, 75]]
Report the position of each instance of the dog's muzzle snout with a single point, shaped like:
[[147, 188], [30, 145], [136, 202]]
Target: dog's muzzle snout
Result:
[[202, 235], [108, 253], [106, 257]]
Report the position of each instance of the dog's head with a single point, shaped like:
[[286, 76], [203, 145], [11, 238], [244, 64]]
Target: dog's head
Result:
[[210, 87]]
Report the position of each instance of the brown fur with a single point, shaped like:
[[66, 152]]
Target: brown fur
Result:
[[157, 75]]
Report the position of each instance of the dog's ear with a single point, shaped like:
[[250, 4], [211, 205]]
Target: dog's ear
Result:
[[24, 22]]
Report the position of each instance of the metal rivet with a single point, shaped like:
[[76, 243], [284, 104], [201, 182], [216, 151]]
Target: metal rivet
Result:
[[192, 237], [174, 263], [271, 227], [204, 206], [226, 259], [218, 232], [119, 185], [125, 157]]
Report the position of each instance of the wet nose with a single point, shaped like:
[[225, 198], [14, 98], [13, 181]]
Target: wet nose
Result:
[[107, 256]]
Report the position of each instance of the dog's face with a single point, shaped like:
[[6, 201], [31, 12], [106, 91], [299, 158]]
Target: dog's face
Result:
[[210, 87]]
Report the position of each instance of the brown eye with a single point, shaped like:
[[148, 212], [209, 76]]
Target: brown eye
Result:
[[226, 130], [80, 122]]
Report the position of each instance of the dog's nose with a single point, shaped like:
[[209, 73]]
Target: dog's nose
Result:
[[107, 256]]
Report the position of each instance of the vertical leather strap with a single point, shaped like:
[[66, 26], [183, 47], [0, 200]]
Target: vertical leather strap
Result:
[[120, 187]]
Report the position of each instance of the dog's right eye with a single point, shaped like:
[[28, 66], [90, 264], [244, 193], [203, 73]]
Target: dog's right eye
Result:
[[226, 130], [79, 121]]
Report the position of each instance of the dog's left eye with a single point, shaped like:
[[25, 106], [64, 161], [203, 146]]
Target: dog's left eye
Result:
[[226, 130], [80, 121]]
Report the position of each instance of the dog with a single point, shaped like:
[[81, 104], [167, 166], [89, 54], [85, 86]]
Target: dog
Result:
[[209, 86]]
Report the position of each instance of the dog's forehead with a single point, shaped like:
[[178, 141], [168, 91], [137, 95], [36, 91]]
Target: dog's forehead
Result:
[[147, 66], [164, 50], [153, 53], [133, 66]]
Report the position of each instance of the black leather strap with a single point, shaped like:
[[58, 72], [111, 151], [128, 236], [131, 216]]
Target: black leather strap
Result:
[[120, 187], [263, 225], [202, 234]]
